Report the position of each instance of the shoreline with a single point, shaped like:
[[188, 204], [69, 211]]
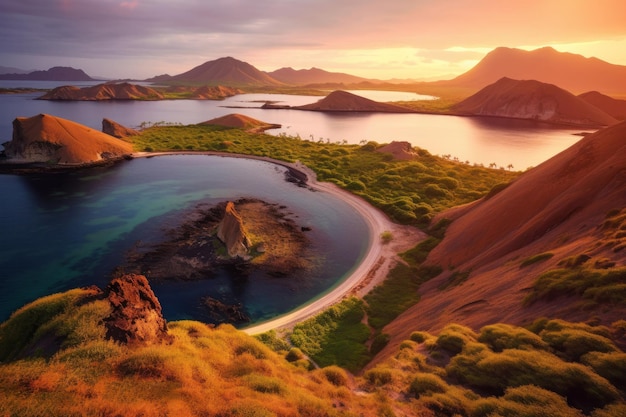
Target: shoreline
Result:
[[373, 268]]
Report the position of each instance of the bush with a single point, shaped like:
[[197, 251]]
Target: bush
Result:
[[378, 376], [504, 336], [611, 366], [536, 258], [427, 384], [335, 375], [379, 343], [571, 344], [454, 337]]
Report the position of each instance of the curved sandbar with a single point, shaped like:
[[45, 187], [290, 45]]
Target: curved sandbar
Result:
[[374, 266]]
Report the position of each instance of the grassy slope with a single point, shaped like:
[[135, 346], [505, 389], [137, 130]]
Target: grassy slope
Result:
[[69, 369]]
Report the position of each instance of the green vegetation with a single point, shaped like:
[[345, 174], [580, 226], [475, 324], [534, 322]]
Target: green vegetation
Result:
[[335, 337], [410, 192], [551, 368], [536, 258]]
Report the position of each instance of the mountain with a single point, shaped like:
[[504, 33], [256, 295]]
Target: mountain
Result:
[[291, 76], [532, 100], [53, 140], [226, 71], [610, 105], [100, 92], [12, 70], [572, 72], [53, 74], [564, 218], [342, 101]]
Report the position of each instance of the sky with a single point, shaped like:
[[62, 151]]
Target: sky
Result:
[[405, 39]]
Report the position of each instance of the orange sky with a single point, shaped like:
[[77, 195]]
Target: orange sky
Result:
[[418, 39]]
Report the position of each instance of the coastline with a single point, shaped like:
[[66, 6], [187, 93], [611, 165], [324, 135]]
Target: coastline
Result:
[[373, 268]]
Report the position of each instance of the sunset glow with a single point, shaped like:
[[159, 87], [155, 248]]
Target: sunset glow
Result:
[[407, 39]]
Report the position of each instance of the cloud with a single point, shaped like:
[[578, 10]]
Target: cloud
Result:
[[196, 30]]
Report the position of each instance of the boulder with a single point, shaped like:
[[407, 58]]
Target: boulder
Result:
[[136, 316], [232, 233]]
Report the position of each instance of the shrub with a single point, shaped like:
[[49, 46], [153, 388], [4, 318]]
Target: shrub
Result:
[[571, 344], [419, 337], [454, 337], [504, 336], [427, 384], [335, 375], [379, 343], [536, 258], [294, 355], [611, 366], [378, 376], [265, 384]]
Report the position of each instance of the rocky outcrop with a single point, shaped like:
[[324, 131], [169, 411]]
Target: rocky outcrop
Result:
[[57, 141], [534, 100], [103, 92], [399, 150], [232, 232], [342, 101], [116, 130], [136, 316]]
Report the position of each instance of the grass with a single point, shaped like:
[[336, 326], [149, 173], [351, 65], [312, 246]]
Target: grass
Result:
[[410, 192], [536, 258]]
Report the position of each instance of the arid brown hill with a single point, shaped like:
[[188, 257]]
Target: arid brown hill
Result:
[[559, 208], [610, 105], [107, 91], [45, 138], [111, 127], [572, 72], [530, 99], [342, 101], [241, 121], [226, 71], [217, 92], [291, 76], [399, 150]]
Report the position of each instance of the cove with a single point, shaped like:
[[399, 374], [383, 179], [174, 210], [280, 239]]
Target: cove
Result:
[[73, 229]]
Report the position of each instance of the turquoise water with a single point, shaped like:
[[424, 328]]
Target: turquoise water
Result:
[[67, 230]]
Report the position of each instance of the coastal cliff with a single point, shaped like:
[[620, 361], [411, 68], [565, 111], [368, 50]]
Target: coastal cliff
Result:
[[232, 232]]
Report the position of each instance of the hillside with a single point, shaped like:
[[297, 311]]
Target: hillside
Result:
[[532, 100], [313, 75], [52, 74], [225, 71], [241, 121], [53, 140], [342, 101], [100, 92], [614, 107], [571, 72], [550, 244]]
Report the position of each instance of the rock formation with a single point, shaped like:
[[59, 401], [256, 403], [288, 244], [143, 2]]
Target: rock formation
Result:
[[136, 316], [232, 232], [534, 100], [50, 139], [344, 101], [116, 130], [102, 92], [399, 150]]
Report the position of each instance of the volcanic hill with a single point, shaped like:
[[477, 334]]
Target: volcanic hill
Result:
[[100, 92], [566, 216], [50, 139], [530, 99], [342, 101], [226, 71], [240, 121], [572, 72], [313, 75], [610, 105]]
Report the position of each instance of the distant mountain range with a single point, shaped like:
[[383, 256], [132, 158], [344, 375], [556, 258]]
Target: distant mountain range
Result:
[[291, 76], [572, 72], [52, 74], [531, 99]]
